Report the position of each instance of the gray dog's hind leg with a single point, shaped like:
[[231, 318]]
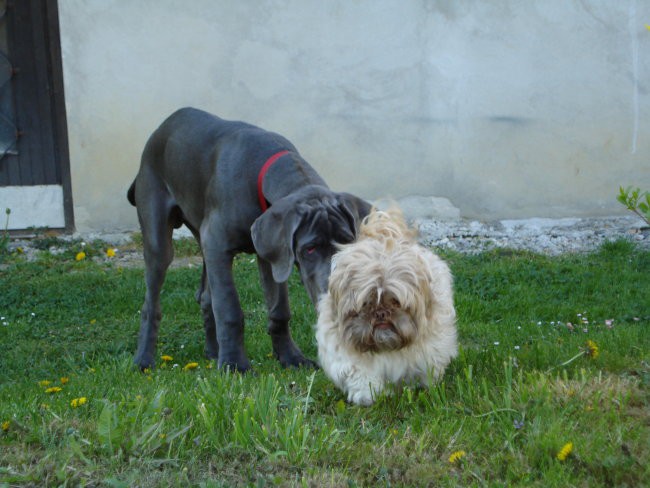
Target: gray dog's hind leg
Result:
[[277, 303], [157, 230], [225, 306], [204, 299]]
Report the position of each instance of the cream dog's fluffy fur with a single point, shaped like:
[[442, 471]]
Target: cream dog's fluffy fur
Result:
[[388, 316]]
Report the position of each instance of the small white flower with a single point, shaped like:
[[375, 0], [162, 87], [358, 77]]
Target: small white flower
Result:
[[496, 343], [516, 348]]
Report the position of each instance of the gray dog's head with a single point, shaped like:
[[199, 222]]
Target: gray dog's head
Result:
[[304, 228]]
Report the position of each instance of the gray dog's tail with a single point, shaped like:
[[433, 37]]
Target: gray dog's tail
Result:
[[131, 193]]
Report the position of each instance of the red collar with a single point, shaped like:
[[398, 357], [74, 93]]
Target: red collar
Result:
[[260, 178]]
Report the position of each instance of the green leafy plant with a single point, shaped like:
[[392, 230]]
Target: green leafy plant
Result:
[[636, 201]]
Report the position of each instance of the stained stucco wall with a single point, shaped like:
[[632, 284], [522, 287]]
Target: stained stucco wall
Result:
[[510, 109]]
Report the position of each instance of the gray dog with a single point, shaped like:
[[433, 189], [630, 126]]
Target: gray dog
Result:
[[218, 177]]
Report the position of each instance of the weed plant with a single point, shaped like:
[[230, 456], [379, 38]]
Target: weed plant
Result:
[[4, 236]]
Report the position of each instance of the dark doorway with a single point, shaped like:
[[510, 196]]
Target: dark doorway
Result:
[[34, 162]]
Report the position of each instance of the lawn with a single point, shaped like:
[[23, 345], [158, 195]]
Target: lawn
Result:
[[551, 386]]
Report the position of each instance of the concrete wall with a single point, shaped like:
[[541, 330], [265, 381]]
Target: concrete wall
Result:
[[508, 108]]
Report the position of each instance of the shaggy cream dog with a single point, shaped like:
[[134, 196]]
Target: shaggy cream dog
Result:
[[388, 316]]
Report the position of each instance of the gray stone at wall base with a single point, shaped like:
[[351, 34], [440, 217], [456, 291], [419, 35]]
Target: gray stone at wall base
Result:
[[418, 208]]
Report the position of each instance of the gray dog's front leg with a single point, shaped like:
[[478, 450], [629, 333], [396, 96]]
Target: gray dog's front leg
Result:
[[277, 303]]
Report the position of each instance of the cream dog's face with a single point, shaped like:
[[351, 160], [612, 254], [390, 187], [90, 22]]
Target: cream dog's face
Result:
[[381, 324], [380, 299]]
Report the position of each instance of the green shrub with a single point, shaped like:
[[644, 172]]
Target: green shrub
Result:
[[636, 201]]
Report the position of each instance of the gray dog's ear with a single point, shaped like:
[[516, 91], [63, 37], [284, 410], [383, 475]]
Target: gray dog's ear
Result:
[[355, 208], [272, 235]]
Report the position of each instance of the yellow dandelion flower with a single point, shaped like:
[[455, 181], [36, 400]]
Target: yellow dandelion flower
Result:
[[64, 380], [166, 358], [53, 389], [591, 348], [80, 256], [565, 451], [77, 402], [5, 425], [110, 253], [93, 321], [456, 456], [190, 366], [44, 383]]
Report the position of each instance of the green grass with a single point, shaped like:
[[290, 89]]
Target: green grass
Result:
[[506, 401]]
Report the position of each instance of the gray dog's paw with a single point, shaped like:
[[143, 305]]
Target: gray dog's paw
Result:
[[297, 361], [144, 363], [289, 355], [238, 367]]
